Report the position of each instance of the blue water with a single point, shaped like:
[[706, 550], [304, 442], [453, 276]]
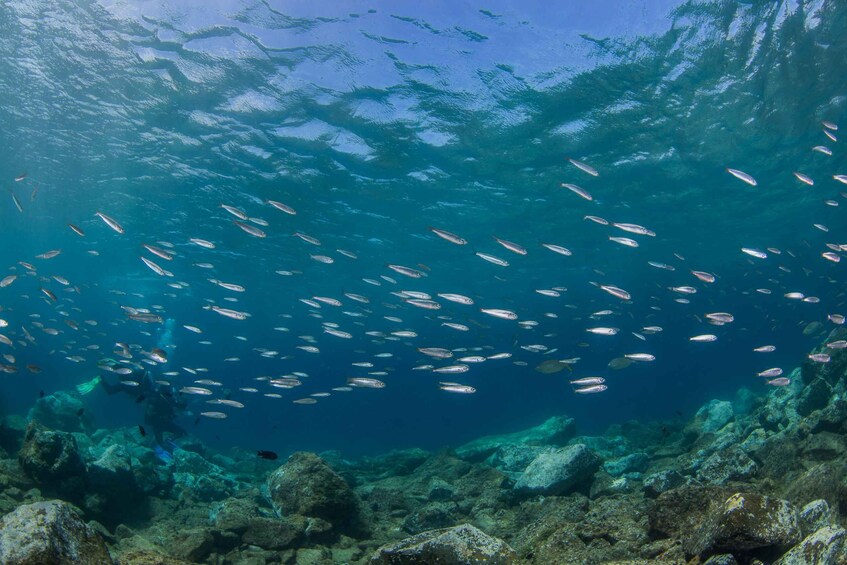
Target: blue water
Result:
[[375, 121]]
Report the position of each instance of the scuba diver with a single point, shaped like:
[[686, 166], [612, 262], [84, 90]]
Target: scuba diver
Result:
[[163, 404]]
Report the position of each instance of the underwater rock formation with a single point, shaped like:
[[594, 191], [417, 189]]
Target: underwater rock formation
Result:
[[461, 545], [743, 482], [306, 486], [60, 411], [824, 546], [53, 460], [558, 471], [49, 532], [747, 521], [555, 431]]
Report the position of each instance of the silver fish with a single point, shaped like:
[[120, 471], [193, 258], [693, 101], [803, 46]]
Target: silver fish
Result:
[[110, 222], [499, 313], [409, 272], [578, 190], [591, 389], [446, 235], [252, 230], [493, 259], [742, 176], [583, 167], [558, 249], [280, 206], [234, 314], [456, 387], [513, 247], [458, 298]]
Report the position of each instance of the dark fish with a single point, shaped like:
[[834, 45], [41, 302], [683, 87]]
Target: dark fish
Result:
[[80, 411], [40, 394], [140, 398], [270, 455], [141, 430]]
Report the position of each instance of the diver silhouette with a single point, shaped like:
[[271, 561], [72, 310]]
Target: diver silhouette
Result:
[[162, 404]]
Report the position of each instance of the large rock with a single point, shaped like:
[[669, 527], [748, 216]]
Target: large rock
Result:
[[663, 481], [814, 396], [558, 471], [462, 545], [195, 477], [305, 485], [52, 459], [632, 463], [745, 522], [514, 459], [49, 533], [556, 431], [814, 516], [679, 511], [730, 464], [59, 411], [824, 547], [191, 544], [276, 534], [111, 477], [710, 418]]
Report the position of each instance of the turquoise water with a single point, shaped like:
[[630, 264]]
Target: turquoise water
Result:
[[375, 122]]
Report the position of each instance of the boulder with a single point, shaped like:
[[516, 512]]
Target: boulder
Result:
[[440, 490], [49, 533], [556, 431], [275, 534], [194, 544], [432, 516], [824, 547], [634, 462], [59, 411], [815, 516], [461, 545], [111, 476], [823, 446], [679, 511], [512, 459], [814, 396], [821, 481], [730, 464], [710, 418], [559, 471], [307, 486], [52, 459], [197, 478], [605, 484], [744, 522], [831, 417], [233, 515], [663, 481]]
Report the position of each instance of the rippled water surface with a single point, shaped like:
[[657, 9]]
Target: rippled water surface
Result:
[[376, 121]]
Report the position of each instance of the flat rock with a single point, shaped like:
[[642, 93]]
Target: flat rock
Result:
[[558, 471], [555, 431], [49, 533], [824, 547], [744, 522], [461, 545]]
